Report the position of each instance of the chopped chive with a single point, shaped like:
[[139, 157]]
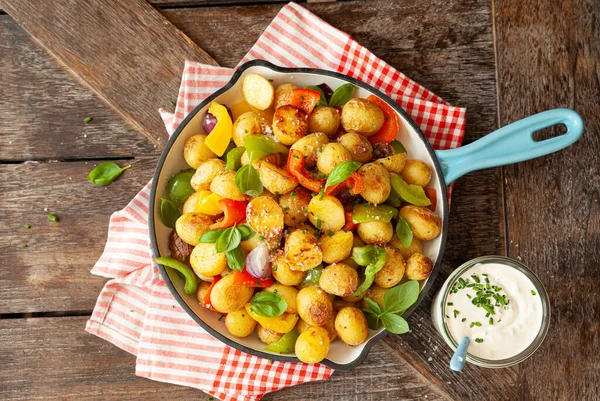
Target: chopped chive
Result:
[[456, 313], [479, 340], [172, 102], [221, 317], [468, 296], [87, 119], [491, 320], [484, 274], [533, 292], [52, 217], [488, 309], [462, 283], [475, 277], [450, 303], [293, 193], [24, 246], [464, 319], [27, 225], [330, 233]]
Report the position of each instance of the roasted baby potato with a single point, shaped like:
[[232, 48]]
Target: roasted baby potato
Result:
[[273, 159], [336, 247], [288, 293], [375, 293], [359, 146], [275, 179], [258, 91], [203, 287], [330, 156], [246, 124], [325, 120], [312, 346], [295, 207], [239, 323], [206, 172], [393, 270], [224, 185], [227, 297], [339, 279], [302, 250], [302, 326], [326, 213], [282, 93], [414, 247], [289, 124], [191, 226], [309, 146], [265, 216], [190, 203], [418, 267], [314, 306], [394, 163], [283, 273], [268, 336], [362, 116], [416, 172], [206, 261], [375, 232], [376, 183], [351, 325], [195, 151], [425, 224]]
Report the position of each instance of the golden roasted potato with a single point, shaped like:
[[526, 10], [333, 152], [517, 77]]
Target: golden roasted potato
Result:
[[195, 151], [289, 124], [246, 124], [359, 146], [424, 223], [224, 185], [376, 183], [206, 172], [288, 293], [375, 232], [339, 279], [351, 325], [265, 216], [203, 287], [283, 273], [281, 94], [325, 120], [418, 267], [227, 297], [295, 207], [275, 179], [417, 172], [414, 247], [362, 116], [326, 213], [273, 159], [189, 205], [339, 304], [271, 244], [357, 241], [314, 306], [258, 91], [312, 346], [302, 250], [394, 163], [336, 247], [239, 323], [268, 336], [353, 298], [393, 270], [191, 226], [330, 156], [375, 293], [302, 326], [309, 146], [206, 261]]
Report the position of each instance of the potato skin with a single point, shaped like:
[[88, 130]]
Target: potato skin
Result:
[[330, 156], [281, 94], [295, 207], [258, 91], [337, 247], [329, 211], [268, 336], [376, 183], [394, 163], [393, 270], [339, 279], [203, 287], [302, 250], [246, 124], [206, 261], [227, 297], [206, 172], [314, 306], [362, 116], [289, 124], [375, 232], [239, 323], [425, 224], [275, 179], [359, 146], [416, 172], [324, 119], [375, 293], [265, 216], [224, 185], [312, 346], [414, 247], [189, 205], [309, 146], [284, 274], [302, 326], [351, 325], [271, 244], [288, 293], [191, 226], [418, 267], [195, 151]]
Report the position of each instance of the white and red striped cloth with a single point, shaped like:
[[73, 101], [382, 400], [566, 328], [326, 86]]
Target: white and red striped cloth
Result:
[[135, 310]]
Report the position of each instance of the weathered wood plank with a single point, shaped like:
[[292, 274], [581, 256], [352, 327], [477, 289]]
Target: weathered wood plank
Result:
[[550, 57], [126, 52]]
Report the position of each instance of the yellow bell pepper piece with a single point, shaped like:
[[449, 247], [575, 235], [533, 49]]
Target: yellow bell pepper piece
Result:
[[279, 324], [208, 203], [220, 136]]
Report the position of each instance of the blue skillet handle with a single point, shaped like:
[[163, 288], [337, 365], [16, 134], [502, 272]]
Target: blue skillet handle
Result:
[[511, 144]]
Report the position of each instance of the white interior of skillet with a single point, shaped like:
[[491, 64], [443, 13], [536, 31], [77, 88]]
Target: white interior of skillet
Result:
[[339, 353]]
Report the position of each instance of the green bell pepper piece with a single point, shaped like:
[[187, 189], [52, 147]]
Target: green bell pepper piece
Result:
[[229, 148], [412, 194], [179, 187], [191, 281], [259, 146], [286, 344], [234, 158], [312, 277], [373, 257], [398, 147], [364, 213], [169, 212]]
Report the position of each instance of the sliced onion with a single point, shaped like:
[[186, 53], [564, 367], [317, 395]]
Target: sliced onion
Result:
[[209, 122], [326, 90], [258, 264]]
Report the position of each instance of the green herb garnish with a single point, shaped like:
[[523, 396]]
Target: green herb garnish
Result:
[[105, 173], [53, 218], [268, 304]]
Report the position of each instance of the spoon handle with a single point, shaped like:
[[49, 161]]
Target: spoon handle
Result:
[[458, 359]]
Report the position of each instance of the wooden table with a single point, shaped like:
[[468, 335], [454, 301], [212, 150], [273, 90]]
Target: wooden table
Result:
[[502, 60]]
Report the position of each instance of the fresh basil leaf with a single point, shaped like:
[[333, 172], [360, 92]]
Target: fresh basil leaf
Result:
[[413, 194], [229, 148], [248, 181], [268, 304], [341, 95], [323, 99], [372, 319], [398, 147], [236, 259], [401, 297], [377, 257], [234, 158], [394, 323], [179, 187], [373, 306], [169, 212], [105, 173], [210, 237], [341, 172], [246, 232], [393, 200], [228, 240], [404, 232]]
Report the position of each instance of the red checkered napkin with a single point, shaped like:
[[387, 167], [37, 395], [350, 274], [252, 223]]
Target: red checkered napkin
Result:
[[135, 310]]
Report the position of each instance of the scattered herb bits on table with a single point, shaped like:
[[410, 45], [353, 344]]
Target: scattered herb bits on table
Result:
[[300, 217]]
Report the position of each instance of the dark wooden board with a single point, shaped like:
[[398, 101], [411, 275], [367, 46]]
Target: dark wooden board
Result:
[[549, 56]]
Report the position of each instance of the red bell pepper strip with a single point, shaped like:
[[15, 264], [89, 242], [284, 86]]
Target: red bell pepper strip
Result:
[[245, 279], [349, 225], [206, 300], [296, 167], [234, 212], [432, 195], [390, 127], [354, 183], [303, 98]]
